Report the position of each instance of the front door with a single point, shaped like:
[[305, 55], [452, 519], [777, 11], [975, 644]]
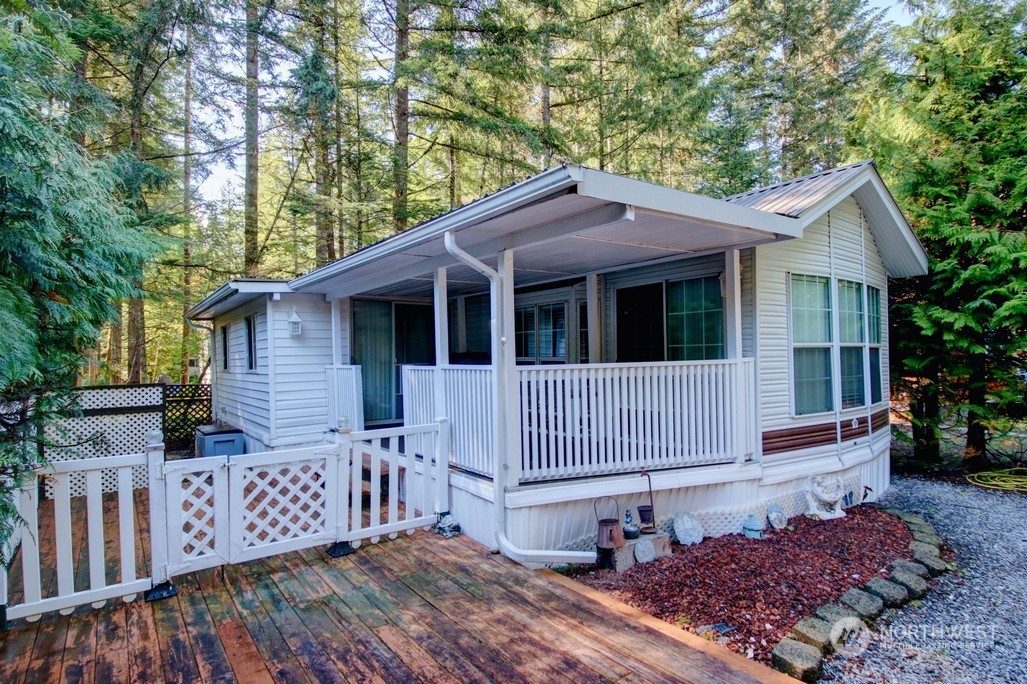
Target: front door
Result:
[[387, 335]]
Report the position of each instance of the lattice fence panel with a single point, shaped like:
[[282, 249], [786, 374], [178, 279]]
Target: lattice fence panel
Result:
[[283, 501], [198, 532], [114, 421], [186, 407]]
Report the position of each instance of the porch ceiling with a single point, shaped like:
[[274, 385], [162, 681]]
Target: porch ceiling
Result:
[[563, 236]]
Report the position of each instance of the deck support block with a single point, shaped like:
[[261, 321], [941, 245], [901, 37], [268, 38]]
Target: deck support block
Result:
[[161, 591], [340, 549]]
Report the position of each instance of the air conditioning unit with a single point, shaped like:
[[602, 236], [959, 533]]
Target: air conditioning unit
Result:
[[219, 440]]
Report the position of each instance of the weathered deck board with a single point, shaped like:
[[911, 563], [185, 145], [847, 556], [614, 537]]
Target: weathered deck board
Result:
[[418, 608]]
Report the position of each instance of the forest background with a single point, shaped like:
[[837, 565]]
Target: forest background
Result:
[[359, 120]]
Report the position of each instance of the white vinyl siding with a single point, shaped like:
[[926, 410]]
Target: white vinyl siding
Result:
[[839, 246], [300, 385], [241, 393]]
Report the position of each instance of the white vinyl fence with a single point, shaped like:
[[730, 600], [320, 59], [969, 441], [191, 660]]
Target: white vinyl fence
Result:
[[211, 511]]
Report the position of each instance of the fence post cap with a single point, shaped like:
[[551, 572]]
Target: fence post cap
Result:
[[154, 437]]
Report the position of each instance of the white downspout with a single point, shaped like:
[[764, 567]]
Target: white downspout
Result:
[[499, 399]]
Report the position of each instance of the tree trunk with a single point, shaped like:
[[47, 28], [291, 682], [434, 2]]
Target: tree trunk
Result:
[[925, 406], [975, 453], [115, 351], [251, 254], [401, 114], [187, 210], [340, 186], [454, 181], [324, 224], [136, 311]]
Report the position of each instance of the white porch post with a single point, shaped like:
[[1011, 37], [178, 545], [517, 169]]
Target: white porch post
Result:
[[509, 384], [336, 333], [733, 299], [592, 304], [441, 343]]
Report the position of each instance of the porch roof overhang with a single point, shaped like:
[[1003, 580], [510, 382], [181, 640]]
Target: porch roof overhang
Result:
[[234, 294], [564, 222]]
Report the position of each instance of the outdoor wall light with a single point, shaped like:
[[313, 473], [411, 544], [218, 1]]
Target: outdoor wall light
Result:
[[295, 322]]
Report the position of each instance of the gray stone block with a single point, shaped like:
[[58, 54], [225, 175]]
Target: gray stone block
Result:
[[911, 519], [927, 538], [867, 606], [920, 547], [928, 529], [797, 659], [832, 612], [936, 566], [891, 593], [624, 557], [815, 632], [910, 567], [914, 584]]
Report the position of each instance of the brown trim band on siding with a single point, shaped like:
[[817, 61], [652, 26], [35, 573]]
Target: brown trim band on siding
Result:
[[860, 430], [880, 420], [790, 439]]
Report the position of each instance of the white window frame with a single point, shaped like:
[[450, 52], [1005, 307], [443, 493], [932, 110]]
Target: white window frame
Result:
[[250, 340], [836, 344]]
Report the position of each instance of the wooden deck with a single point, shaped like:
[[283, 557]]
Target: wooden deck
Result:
[[418, 608]]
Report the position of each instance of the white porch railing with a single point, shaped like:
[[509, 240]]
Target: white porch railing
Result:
[[345, 397], [588, 420], [467, 399], [585, 420]]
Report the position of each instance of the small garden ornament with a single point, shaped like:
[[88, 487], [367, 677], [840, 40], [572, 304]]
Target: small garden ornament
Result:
[[824, 497]]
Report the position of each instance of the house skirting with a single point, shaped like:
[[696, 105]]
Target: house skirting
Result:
[[562, 516]]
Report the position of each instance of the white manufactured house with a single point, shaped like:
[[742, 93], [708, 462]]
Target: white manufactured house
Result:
[[579, 326]]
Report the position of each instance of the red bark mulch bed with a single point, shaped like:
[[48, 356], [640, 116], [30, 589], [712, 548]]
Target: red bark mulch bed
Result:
[[761, 587]]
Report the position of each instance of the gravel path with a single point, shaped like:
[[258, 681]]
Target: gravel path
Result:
[[972, 625]]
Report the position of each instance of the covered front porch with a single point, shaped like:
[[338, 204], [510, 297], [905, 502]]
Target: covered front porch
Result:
[[575, 326]]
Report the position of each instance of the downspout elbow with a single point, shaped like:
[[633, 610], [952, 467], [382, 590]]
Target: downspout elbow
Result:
[[468, 260]]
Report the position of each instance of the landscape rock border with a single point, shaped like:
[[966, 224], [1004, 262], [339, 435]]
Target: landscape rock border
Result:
[[813, 637]]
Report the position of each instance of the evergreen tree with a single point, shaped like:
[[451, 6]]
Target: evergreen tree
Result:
[[949, 134], [69, 246]]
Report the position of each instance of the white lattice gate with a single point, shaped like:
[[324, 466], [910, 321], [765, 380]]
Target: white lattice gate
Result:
[[229, 509]]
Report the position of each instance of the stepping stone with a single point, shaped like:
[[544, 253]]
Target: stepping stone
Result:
[[920, 547], [911, 519], [892, 594], [935, 566], [797, 659], [928, 538], [910, 567], [927, 529], [815, 632], [867, 606], [832, 612], [914, 584]]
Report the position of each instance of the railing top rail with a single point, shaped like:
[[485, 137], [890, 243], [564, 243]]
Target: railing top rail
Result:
[[81, 465], [460, 367], [647, 364], [403, 431]]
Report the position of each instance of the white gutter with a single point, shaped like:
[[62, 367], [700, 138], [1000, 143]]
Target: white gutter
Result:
[[499, 398]]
